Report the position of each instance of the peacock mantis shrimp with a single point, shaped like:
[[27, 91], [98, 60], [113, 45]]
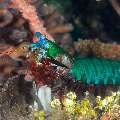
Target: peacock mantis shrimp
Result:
[[97, 71]]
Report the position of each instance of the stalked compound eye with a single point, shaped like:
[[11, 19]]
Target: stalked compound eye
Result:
[[38, 34], [43, 41], [43, 37]]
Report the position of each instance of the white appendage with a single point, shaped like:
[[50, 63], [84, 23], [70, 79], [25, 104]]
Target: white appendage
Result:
[[44, 95]]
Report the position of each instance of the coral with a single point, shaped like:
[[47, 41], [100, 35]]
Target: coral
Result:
[[29, 12], [98, 49], [14, 29], [6, 16], [14, 52], [102, 109], [72, 108]]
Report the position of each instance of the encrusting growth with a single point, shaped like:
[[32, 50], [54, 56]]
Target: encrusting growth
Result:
[[29, 12]]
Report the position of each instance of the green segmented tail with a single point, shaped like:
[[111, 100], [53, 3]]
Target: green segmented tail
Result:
[[96, 71]]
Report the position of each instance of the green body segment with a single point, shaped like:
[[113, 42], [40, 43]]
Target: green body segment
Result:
[[96, 71], [55, 50]]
